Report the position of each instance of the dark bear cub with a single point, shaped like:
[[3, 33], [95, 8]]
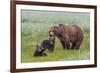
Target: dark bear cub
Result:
[[39, 51], [45, 44]]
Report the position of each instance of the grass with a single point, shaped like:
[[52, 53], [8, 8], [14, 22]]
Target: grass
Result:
[[35, 29]]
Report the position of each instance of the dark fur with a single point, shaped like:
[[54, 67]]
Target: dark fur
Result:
[[45, 44], [48, 44], [70, 36], [39, 51]]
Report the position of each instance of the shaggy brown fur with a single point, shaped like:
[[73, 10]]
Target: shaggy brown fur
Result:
[[70, 36]]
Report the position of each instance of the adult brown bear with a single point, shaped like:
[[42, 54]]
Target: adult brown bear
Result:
[[71, 36]]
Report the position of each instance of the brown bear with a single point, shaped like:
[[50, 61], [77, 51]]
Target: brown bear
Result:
[[70, 36]]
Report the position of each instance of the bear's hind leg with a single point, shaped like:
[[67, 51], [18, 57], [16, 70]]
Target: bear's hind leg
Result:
[[73, 46], [77, 45]]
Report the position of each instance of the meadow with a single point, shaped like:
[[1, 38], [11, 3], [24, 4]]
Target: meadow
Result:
[[34, 29]]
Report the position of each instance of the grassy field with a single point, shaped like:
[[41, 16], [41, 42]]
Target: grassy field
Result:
[[34, 26]]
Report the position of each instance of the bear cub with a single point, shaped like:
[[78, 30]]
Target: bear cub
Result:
[[45, 44]]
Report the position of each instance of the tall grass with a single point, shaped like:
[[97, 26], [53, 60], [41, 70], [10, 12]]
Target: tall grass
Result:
[[34, 25]]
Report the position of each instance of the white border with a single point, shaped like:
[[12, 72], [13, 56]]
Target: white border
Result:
[[58, 63]]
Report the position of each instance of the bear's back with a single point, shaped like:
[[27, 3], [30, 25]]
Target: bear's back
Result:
[[75, 33]]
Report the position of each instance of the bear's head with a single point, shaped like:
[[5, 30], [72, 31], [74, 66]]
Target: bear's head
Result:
[[54, 31], [38, 50], [52, 40]]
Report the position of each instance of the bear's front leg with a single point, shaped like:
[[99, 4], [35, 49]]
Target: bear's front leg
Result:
[[63, 44], [77, 45], [44, 54], [67, 45]]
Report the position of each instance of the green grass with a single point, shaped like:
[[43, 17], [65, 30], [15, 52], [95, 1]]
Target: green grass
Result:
[[35, 29]]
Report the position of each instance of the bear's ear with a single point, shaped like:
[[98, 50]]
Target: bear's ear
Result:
[[61, 25], [51, 38], [37, 45], [56, 27]]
